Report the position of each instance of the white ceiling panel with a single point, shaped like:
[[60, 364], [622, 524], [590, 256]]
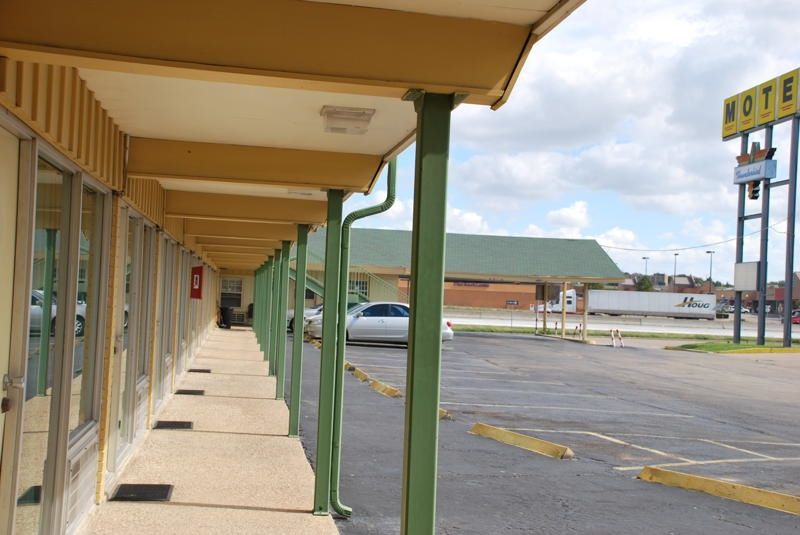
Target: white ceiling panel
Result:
[[214, 112], [523, 12], [238, 188]]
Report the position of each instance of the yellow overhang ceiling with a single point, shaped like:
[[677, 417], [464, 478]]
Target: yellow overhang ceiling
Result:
[[238, 208], [283, 43]]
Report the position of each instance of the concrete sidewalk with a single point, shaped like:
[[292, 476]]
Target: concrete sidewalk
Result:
[[236, 471]]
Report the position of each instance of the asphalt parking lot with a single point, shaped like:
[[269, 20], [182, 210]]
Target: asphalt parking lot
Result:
[[728, 417]]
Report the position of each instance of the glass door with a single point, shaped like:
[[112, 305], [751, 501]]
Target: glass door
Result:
[[167, 323], [9, 178], [125, 365], [45, 345]]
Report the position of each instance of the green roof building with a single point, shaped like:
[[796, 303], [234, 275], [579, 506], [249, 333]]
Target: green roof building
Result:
[[480, 270]]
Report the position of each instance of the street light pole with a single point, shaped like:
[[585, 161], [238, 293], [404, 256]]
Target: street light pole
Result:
[[710, 271], [645, 258], [675, 272]]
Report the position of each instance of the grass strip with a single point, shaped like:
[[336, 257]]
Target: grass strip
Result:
[[604, 333]]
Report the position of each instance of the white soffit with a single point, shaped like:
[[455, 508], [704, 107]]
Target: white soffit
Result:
[[215, 112], [237, 188], [522, 12]]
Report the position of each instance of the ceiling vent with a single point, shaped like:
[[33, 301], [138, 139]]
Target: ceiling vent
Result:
[[344, 120]]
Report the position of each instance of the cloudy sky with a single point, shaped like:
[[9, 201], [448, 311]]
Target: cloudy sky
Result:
[[613, 133]]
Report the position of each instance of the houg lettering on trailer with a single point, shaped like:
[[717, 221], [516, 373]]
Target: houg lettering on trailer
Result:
[[768, 103], [689, 302]]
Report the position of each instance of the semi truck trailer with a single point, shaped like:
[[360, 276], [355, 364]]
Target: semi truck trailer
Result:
[[664, 304]]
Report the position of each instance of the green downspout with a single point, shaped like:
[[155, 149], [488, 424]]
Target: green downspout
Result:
[[267, 307], [341, 337], [327, 364], [280, 354], [297, 336], [47, 311], [418, 506], [275, 302]]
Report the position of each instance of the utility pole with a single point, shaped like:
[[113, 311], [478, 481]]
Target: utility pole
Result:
[[675, 272], [645, 258], [710, 271]]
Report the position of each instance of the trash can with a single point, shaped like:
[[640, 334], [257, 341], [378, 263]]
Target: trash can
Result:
[[226, 314]]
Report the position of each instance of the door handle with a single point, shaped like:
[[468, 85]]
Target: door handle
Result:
[[12, 382]]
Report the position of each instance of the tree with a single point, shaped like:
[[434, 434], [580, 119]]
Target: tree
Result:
[[644, 284]]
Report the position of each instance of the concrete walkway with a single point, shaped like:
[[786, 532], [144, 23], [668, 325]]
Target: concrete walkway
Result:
[[236, 472]]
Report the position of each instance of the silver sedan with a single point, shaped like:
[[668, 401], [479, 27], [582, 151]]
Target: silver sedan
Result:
[[376, 322]]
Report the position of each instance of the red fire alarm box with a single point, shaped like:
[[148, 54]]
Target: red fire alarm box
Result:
[[197, 283]]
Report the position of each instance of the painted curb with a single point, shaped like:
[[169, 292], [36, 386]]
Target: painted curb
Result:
[[360, 374], [723, 489], [526, 442], [383, 388], [445, 414]]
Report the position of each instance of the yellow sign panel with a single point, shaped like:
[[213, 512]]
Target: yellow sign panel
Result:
[[747, 109], [762, 105], [765, 102], [788, 87], [730, 111]]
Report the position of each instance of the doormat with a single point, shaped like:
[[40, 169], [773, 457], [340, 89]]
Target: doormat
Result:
[[173, 424], [142, 492], [32, 496], [199, 370], [189, 392]]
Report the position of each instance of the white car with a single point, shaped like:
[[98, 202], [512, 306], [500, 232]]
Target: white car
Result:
[[376, 322], [307, 313], [36, 313]]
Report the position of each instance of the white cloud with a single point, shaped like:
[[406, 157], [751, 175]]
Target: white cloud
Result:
[[466, 222], [570, 220]]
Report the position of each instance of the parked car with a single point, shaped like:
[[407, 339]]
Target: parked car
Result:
[[307, 313], [795, 317], [37, 301], [36, 313], [376, 322]]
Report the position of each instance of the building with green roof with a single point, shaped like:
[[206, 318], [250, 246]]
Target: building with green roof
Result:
[[480, 270]]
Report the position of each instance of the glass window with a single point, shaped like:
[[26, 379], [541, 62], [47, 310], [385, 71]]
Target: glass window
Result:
[[231, 294], [376, 311], [146, 307], [399, 311], [85, 357], [52, 195], [358, 287]]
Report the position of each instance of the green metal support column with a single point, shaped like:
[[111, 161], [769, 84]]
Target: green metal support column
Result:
[[283, 291], [47, 311], [327, 365], [276, 319], [418, 516], [257, 306], [297, 336], [267, 321], [341, 335]]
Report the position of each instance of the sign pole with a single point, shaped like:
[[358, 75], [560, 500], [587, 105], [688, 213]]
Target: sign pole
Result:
[[788, 286], [762, 273], [737, 302]]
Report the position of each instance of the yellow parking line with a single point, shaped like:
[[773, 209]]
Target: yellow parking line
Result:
[[723, 489]]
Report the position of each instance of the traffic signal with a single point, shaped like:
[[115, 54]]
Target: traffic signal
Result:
[[753, 189]]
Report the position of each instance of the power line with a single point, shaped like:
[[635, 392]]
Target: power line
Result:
[[693, 246]]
